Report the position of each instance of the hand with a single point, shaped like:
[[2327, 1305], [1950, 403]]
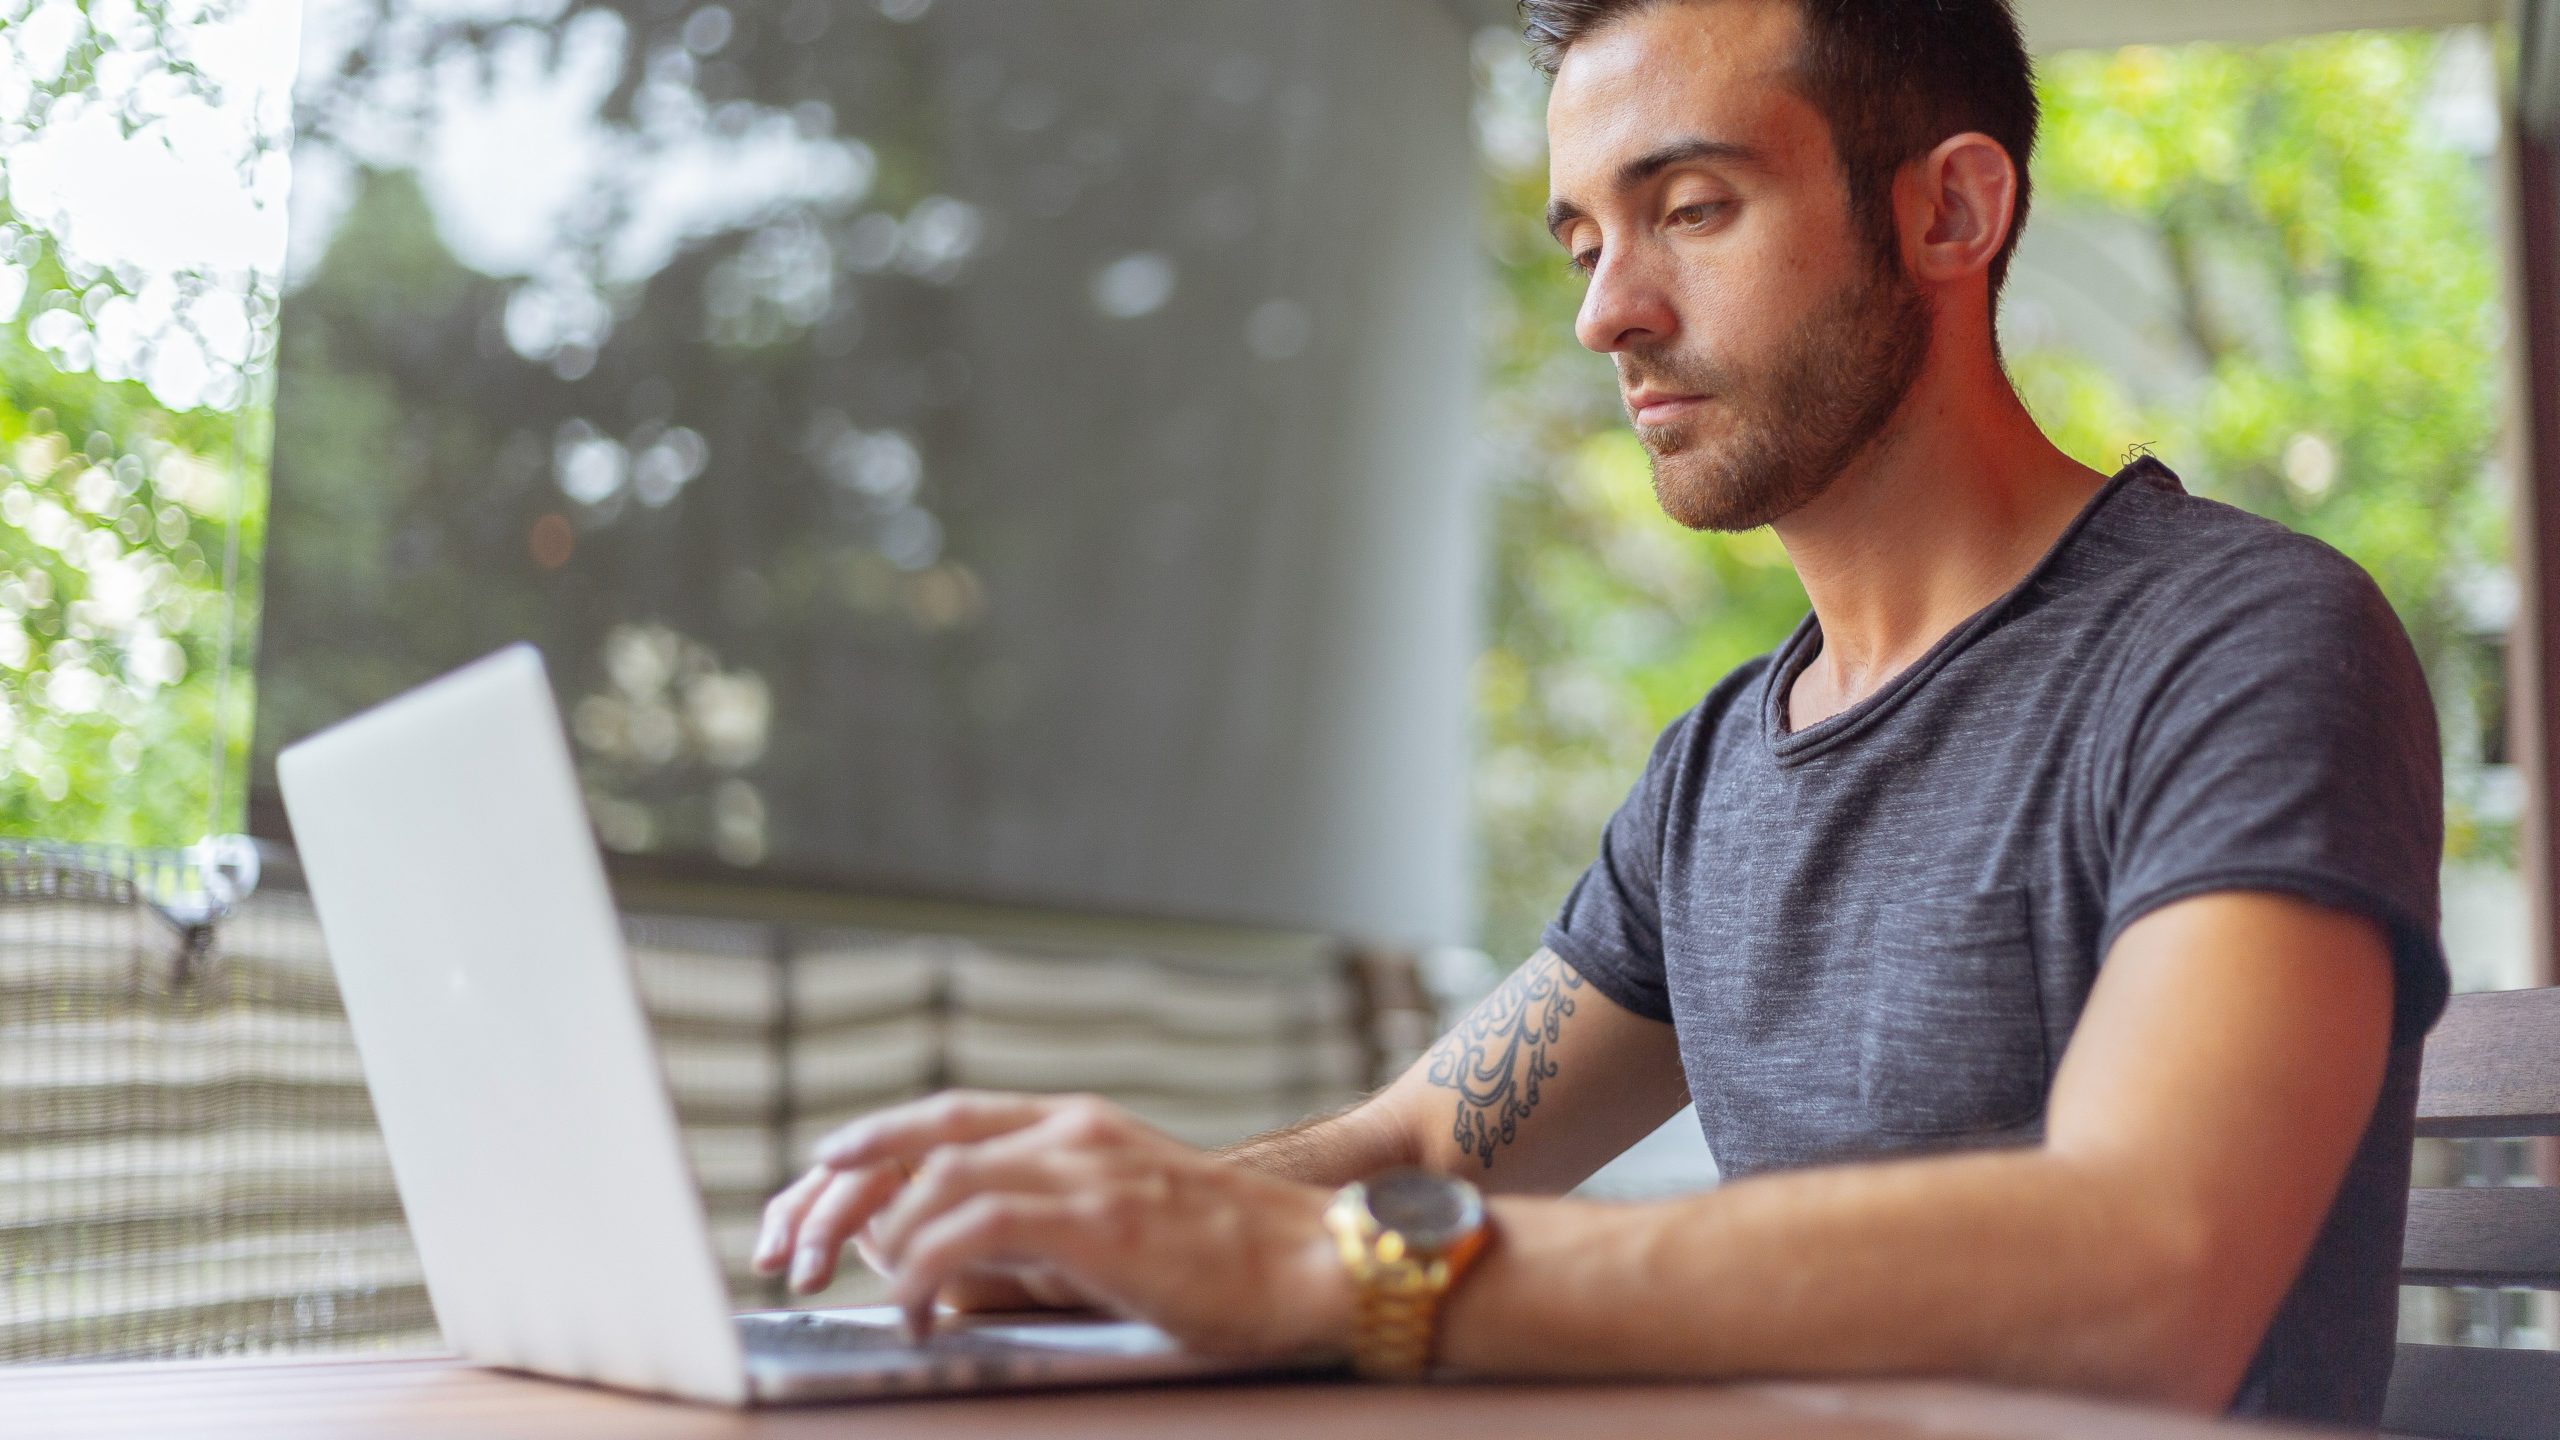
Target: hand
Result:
[[809, 1212], [1077, 1193]]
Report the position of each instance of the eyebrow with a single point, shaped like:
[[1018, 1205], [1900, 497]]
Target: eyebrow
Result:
[[1653, 162]]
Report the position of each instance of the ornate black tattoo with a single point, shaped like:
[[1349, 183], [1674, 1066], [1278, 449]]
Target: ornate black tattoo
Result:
[[1497, 1057]]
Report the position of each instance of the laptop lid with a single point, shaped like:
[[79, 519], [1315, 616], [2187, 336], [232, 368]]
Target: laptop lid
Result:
[[481, 960]]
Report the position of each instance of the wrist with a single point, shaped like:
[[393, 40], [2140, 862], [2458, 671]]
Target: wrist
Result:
[[1330, 1304], [1404, 1239]]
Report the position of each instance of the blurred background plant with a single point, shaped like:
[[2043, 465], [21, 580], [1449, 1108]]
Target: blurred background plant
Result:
[[137, 151], [2310, 225]]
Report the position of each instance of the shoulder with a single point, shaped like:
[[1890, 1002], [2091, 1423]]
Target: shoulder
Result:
[[2230, 631], [2191, 578]]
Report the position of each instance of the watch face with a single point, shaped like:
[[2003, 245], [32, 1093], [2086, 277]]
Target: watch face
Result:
[[1431, 1211]]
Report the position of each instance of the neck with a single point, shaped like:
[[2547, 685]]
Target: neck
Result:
[[1949, 509]]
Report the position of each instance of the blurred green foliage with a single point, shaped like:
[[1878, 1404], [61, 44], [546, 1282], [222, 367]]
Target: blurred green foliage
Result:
[[2335, 283], [117, 514], [114, 521]]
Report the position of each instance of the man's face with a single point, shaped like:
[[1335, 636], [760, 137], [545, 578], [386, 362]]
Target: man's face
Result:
[[1761, 344]]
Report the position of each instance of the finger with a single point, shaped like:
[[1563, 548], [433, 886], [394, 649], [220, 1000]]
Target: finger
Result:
[[956, 1117], [847, 1203], [1005, 1232], [869, 1252], [1052, 1289], [782, 1215], [862, 1245], [993, 1292], [1027, 1162], [1004, 1292]]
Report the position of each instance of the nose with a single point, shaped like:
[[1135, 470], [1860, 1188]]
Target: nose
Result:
[[1626, 307]]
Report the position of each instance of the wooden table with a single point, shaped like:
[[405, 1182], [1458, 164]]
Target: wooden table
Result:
[[409, 1399]]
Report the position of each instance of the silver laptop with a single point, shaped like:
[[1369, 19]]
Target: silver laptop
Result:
[[531, 1132]]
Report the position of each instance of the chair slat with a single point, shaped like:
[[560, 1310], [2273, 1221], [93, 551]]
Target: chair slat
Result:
[[2493, 1066], [2503, 1236], [2476, 1394]]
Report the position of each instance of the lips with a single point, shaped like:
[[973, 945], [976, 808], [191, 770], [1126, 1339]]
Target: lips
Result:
[[1662, 407]]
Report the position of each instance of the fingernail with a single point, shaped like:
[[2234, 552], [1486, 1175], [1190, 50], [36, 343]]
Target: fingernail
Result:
[[804, 1269]]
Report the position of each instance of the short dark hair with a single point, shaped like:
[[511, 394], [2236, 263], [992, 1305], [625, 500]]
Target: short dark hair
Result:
[[1893, 78]]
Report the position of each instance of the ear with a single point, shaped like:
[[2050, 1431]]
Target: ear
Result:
[[1965, 196]]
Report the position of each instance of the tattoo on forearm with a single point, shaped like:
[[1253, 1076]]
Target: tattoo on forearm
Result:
[[1497, 1057]]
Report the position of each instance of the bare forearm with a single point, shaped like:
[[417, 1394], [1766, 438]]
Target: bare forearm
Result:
[[2015, 1266], [1332, 1149]]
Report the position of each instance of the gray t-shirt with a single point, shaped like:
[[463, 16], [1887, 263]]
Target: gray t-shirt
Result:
[[1875, 935]]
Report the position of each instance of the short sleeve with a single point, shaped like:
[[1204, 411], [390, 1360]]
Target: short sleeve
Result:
[[2281, 738], [1610, 926]]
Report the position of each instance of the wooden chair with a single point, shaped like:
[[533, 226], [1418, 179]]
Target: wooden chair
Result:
[[2492, 1069]]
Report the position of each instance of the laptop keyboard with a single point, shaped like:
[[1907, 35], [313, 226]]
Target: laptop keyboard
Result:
[[792, 1337]]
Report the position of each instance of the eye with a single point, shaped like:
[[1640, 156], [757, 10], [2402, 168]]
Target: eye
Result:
[[1690, 217], [1583, 262]]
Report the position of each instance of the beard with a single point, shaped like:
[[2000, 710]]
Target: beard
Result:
[[1798, 424]]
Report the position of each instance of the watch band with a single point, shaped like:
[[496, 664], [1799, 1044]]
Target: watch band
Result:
[[1397, 1309]]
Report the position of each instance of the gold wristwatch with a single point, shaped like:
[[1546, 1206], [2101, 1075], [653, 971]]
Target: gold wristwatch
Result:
[[1405, 1236]]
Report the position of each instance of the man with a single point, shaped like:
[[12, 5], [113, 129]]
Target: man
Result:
[[2043, 935]]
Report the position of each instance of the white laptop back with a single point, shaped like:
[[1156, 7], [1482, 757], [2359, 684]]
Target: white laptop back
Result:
[[476, 942]]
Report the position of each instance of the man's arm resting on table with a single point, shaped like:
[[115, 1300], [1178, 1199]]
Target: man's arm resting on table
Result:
[[1542, 1083], [2216, 1088], [2218, 1082]]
